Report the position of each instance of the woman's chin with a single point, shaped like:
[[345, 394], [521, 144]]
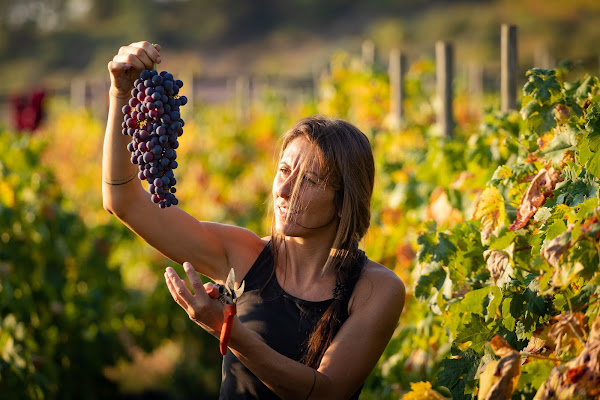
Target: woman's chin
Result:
[[286, 229]]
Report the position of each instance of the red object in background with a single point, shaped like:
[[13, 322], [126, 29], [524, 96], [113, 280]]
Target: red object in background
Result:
[[27, 111]]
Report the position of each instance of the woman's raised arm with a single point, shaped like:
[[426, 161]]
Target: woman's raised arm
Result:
[[212, 248]]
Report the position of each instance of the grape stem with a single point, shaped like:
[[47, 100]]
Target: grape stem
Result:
[[154, 64]]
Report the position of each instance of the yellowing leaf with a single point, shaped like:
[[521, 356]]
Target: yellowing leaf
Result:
[[569, 331], [490, 210], [499, 378], [422, 391]]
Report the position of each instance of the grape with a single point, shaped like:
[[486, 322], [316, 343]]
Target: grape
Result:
[[152, 119]]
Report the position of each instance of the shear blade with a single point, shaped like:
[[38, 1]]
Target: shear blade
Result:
[[240, 290], [230, 282]]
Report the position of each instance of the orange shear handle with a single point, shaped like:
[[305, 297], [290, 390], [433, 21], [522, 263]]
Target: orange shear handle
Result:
[[229, 311]]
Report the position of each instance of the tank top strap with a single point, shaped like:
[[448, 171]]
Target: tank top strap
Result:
[[361, 260], [262, 269]]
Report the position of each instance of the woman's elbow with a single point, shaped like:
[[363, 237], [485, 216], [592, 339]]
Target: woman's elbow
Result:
[[113, 206]]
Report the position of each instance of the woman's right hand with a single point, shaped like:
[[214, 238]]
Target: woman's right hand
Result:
[[126, 66]]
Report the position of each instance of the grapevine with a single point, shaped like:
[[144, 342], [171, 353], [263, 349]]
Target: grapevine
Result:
[[153, 120]]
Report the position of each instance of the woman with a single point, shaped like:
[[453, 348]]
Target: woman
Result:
[[316, 314]]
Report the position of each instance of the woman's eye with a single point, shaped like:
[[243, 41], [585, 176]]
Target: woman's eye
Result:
[[309, 180]]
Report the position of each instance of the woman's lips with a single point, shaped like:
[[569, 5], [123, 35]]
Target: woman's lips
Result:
[[283, 211]]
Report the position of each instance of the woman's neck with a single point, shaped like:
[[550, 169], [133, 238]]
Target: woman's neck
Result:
[[300, 268]]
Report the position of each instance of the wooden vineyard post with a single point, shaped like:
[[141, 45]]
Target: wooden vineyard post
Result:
[[242, 97], [396, 71], [444, 59], [79, 93], [508, 69], [368, 53]]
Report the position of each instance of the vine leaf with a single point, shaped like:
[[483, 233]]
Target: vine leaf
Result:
[[499, 378], [422, 391], [539, 189], [540, 341], [432, 278], [562, 142], [569, 331], [498, 263], [458, 371], [556, 247], [490, 210], [579, 377]]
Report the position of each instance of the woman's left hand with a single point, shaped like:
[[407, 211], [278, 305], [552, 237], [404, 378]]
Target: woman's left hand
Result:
[[203, 310]]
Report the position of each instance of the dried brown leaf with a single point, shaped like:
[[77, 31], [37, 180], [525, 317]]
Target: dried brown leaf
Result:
[[496, 261], [578, 378], [569, 331], [539, 189]]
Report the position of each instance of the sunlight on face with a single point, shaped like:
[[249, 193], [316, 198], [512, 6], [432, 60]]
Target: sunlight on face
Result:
[[312, 208]]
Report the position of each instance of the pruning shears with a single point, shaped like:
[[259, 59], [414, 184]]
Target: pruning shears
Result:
[[228, 296]]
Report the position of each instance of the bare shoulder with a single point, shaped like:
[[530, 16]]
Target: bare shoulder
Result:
[[244, 247], [378, 285]]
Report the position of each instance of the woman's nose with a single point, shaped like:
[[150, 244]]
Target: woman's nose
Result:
[[283, 187]]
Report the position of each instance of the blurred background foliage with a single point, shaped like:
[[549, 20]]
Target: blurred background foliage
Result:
[[48, 41]]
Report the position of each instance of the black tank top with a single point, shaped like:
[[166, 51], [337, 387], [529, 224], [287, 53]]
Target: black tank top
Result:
[[284, 323]]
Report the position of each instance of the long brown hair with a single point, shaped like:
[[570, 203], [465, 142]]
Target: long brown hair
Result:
[[348, 165]]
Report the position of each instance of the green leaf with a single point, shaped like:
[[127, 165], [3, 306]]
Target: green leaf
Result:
[[426, 242], [529, 109], [475, 332], [585, 253], [587, 207], [594, 141], [592, 125], [476, 301], [443, 248], [535, 304], [431, 280], [593, 166], [564, 140], [583, 151], [542, 214], [525, 328], [584, 295], [560, 302], [508, 320], [572, 193], [534, 373], [457, 372], [555, 229], [542, 84], [584, 89], [503, 240]]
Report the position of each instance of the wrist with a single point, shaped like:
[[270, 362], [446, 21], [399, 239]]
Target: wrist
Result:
[[119, 95]]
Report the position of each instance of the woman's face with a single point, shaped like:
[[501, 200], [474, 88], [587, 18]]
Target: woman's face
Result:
[[314, 210]]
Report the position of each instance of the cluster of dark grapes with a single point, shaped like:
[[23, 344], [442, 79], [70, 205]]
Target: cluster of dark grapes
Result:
[[153, 120]]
